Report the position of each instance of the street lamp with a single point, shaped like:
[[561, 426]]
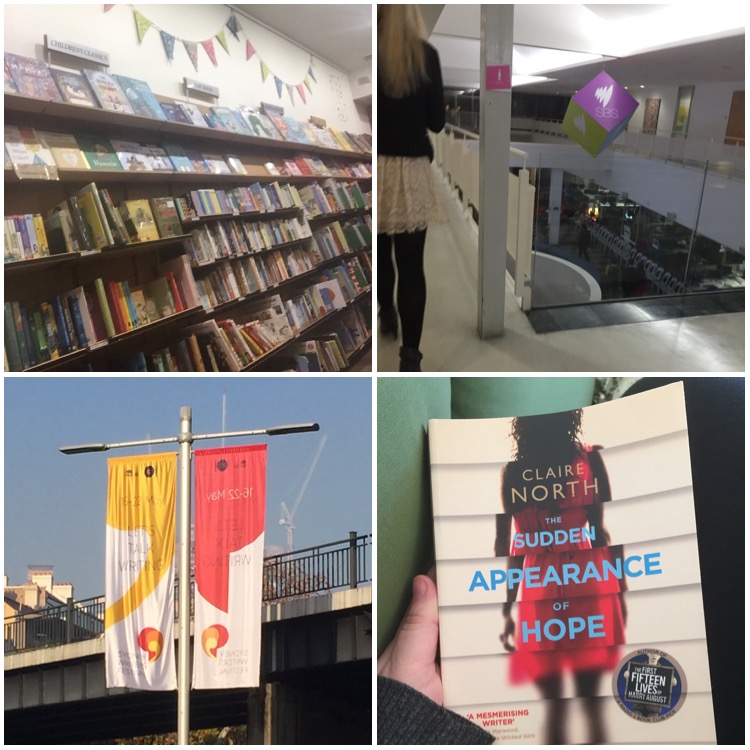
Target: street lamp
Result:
[[186, 440]]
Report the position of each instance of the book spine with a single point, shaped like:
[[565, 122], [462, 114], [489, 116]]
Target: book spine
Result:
[[84, 234], [12, 350], [77, 319], [20, 334], [66, 344], [101, 294], [31, 346]]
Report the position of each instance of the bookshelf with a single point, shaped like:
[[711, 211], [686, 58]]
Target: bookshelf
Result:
[[293, 234]]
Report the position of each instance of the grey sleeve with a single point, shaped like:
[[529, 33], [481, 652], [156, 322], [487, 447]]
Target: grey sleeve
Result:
[[406, 717]]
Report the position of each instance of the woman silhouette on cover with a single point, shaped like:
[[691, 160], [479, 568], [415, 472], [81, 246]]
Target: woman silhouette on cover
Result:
[[565, 486]]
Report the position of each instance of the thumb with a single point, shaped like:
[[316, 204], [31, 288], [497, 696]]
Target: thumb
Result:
[[419, 629]]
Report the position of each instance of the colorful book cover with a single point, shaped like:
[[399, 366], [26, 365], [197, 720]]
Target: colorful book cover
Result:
[[9, 84], [29, 156], [131, 156], [65, 150], [98, 152], [253, 122], [108, 92], [568, 577], [231, 120], [32, 77], [139, 212], [74, 88], [197, 162], [165, 215], [193, 114], [180, 161], [216, 164], [174, 113], [141, 98], [156, 158]]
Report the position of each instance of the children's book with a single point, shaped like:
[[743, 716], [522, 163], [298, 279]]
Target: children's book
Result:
[[568, 577], [74, 88], [141, 98], [108, 92], [31, 77]]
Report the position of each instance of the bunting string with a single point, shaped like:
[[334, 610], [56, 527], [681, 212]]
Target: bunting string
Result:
[[232, 24]]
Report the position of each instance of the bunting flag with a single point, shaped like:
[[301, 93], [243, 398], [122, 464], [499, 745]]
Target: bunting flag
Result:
[[311, 74], [249, 51], [208, 45], [265, 71], [290, 91], [233, 25], [230, 502], [108, 7], [139, 617], [142, 25], [301, 91], [307, 83], [168, 41], [223, 41], [279, 85], [192, 50]]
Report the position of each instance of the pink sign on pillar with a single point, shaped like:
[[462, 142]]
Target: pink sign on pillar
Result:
[[498, 77]]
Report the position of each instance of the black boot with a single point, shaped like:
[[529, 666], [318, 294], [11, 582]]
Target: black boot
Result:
[[410, 359], [389, 322]]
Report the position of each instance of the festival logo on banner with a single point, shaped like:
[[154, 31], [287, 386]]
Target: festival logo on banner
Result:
[[139, 618], [230, 503]]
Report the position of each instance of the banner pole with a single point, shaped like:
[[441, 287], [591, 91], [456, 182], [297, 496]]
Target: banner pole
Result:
[[183, 661]]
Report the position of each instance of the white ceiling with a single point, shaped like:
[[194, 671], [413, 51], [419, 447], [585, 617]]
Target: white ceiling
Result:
[[339, 34], [638, 45]]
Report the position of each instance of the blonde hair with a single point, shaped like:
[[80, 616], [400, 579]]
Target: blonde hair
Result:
[[401, 57]]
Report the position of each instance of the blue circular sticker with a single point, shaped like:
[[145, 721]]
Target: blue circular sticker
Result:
[[649, 685]]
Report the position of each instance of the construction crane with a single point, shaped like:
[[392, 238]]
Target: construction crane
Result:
[[287, 516]]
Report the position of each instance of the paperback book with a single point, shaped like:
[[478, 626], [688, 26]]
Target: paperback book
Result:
[[569, 584], [74, 88], [108, 92]]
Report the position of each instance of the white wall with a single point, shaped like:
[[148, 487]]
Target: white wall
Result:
[[239, 81], [709, 111]]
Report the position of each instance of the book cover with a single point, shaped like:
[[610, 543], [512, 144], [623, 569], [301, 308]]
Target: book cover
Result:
[[141, 98], [9, 84], [193, 114], [253, 120], [131, 156], [92, 209], [29, 156], [65, 150], [568, 577], [231, 120], [139, 213], [175, 113], [216, 164], [156, 158], [107, 91], [98, 152], [165, 216], [74, 88], [32, 77], [177, 156]]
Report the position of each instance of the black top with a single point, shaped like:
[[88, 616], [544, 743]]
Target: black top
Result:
[[403, 123]]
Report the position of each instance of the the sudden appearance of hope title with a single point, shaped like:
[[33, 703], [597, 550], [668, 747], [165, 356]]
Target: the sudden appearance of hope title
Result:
[[571, 481]]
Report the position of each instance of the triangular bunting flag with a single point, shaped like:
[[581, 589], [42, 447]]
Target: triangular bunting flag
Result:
[[233, 26], [301, 92], [192, 50], [223, 41], [264, 70], [311, 74], [249, 51], [168, 41], [279, 85], [208, 45], [142, 25], [290, 91], [307, 83], [108, 7]]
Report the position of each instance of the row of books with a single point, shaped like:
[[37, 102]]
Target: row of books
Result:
[[43, 154], [94, 313], [25, 238], [336, 238], [234, 238], [117, 93], [331, 196], [255, 198]]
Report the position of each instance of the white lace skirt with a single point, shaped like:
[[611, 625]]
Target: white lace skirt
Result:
[[408, 196]]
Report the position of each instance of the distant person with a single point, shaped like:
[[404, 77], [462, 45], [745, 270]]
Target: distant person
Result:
[[584, 239], [410, 101]]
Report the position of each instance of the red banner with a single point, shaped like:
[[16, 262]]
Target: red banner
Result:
[[230, 501]]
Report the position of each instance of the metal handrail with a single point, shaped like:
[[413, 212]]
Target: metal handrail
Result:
[[345, 563]]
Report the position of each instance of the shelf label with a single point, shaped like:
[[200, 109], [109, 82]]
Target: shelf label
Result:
[[201, 88], [77, 50]]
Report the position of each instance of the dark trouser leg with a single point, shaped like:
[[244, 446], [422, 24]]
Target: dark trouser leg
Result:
[[386, 272], [551, 690], [587, 684], [412, 288]]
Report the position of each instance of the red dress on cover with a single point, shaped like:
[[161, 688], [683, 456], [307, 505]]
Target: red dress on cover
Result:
[[538, 658]]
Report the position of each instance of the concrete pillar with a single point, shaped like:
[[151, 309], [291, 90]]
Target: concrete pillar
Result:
[[555, 203], [496, 49], [256, 714]]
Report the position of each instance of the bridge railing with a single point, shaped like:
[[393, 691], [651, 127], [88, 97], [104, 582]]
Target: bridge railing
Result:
[[306, 572]]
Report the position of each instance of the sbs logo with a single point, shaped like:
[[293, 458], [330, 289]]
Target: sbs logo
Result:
[[603, 94], [580, 123]]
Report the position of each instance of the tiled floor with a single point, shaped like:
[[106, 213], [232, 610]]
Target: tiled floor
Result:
[[701, 343]]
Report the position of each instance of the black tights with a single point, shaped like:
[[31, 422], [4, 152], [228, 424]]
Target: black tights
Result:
[[411, 296]]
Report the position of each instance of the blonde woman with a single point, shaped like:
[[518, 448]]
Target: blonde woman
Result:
[[410, 102]]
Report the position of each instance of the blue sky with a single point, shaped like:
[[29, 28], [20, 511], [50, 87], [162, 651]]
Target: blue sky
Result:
[[55, 504]]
